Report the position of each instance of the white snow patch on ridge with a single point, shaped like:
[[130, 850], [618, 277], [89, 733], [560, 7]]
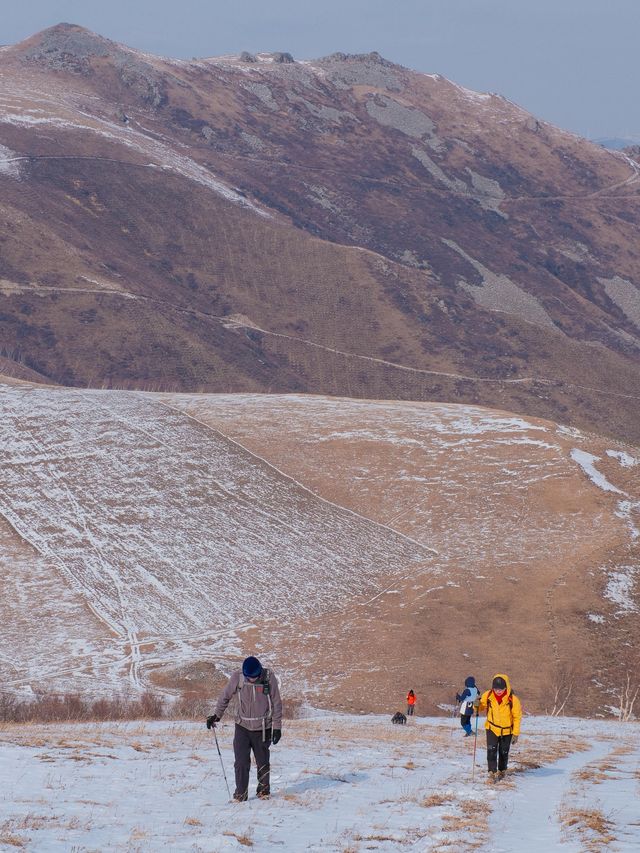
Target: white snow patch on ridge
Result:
[[625, 459], [9, 162], [626, 510], [621, 589], [587, 462], [169, 158]]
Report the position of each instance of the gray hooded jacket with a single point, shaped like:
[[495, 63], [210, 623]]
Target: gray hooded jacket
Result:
[[256, 709]]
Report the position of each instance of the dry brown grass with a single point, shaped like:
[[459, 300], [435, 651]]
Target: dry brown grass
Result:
[[12, 840], [470, 818], [434, 800], [192, 821], [595, 830], [243, 839], [73, 708], [291, 798]]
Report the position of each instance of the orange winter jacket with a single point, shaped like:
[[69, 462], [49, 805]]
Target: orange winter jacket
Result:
[[503, 718], [411, 698]]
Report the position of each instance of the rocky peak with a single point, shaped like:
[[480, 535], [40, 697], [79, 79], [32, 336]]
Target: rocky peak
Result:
[[74, 49], [67, 46], [373, 58]]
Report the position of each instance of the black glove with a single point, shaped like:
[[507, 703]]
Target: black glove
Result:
[[458, 699], [275, 737], [514, 740], [212, 720]]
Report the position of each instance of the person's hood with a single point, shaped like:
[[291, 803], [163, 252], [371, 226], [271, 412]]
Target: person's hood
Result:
[[470, 681], [506, 678]]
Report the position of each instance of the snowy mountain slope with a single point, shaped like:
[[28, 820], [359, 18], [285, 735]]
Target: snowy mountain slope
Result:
[[338, 783], [169, 532]]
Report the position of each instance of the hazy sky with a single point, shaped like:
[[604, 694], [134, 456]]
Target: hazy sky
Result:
[[572, 62]]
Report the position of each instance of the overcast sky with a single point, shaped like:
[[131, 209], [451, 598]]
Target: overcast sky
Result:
[[572, 62]]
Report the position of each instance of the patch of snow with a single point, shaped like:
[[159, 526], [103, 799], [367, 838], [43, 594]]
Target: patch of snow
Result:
[[598, 618], [587, 462], [621, 589], [169, 158], [625, 459], [627, 510], [10, 162]]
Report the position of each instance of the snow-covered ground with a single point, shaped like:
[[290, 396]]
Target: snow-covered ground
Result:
[[339, 783]]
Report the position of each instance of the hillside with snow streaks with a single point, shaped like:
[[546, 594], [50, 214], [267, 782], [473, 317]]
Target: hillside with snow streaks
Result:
[[522, 530], [166, 528], [154, 539]]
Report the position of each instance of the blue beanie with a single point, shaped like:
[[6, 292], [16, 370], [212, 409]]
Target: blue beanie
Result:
[[470, 681], [251, 668]]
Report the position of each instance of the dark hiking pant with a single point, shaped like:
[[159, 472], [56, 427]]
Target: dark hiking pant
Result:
[[244, 742], [465, 722], [497, 750], [410, 710]]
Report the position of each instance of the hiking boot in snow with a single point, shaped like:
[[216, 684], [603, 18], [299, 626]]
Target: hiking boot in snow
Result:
[[240, 798], [501, 774], [263, 793], [492, 777]]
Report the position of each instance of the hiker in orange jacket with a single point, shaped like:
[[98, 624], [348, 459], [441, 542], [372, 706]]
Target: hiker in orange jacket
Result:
[[411, 703], [504, 713]]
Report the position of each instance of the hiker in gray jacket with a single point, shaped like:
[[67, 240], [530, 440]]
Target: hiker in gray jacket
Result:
[[258, 716]]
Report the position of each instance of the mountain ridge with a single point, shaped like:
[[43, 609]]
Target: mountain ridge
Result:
[[341, 205]]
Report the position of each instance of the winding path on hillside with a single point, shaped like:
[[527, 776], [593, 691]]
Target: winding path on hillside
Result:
[[574, 804]]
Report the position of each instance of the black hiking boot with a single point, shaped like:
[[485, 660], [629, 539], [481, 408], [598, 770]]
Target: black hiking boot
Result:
[[240, 798], [263, 793]]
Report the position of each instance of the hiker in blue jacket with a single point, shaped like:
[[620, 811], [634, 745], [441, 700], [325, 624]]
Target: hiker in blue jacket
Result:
[[466, 700]]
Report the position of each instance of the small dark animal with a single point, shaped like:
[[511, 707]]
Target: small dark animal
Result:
[[399, 719]]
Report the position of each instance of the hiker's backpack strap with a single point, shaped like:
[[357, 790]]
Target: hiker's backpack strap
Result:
[[266, 683]]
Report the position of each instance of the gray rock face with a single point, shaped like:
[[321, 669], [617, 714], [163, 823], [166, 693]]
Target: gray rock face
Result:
[[407, 120], [362, 69], [143, 81], [71, 48], [264, 94], [67, 47], [625, 295]]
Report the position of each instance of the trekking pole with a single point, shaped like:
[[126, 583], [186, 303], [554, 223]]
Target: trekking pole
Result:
[[475, 744], [455, 714], [221, 762]]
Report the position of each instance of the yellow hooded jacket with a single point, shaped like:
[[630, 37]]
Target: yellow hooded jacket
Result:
[[502, 718]]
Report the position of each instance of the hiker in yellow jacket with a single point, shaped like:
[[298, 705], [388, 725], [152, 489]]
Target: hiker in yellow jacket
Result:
[[504, 713]]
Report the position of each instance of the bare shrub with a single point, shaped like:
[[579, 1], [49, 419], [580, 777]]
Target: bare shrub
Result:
[[562, 689], [67, 708], [628, 695], [292, 709], [71, 707], [192, 705]]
